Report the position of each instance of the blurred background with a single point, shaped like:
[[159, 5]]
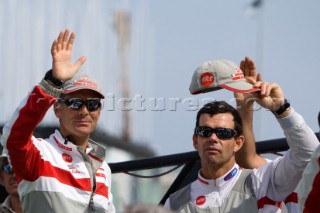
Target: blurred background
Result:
[[144, 53]]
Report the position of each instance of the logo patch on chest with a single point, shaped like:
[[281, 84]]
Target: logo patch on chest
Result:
[[200, 200], [67, 158]]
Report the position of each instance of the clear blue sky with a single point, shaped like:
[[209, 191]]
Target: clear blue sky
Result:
[[283, 39], [169, 40]]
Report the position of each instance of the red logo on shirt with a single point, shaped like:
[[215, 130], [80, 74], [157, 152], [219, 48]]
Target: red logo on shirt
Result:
[[67, 158], [206, 79], [200, 200]]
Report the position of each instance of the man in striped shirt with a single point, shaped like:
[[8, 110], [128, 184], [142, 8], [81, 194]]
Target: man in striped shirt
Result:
[[67, 171]]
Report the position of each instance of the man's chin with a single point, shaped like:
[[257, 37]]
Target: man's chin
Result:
[[83, 131]]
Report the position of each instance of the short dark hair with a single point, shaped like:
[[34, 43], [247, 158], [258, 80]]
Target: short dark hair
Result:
[[217, 107]]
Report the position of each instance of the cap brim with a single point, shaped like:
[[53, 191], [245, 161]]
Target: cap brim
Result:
[[205, 90], [240, 86]]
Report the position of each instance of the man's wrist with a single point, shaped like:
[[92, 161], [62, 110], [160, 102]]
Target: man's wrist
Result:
[[52, 80], [283, 110], [49, 89]]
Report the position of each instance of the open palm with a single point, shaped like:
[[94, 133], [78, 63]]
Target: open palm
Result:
[[61, 50]]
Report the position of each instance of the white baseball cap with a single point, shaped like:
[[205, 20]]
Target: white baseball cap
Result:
[[82, 81], [217, 74]]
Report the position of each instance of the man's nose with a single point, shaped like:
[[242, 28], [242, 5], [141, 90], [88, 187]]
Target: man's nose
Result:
[[84, 110], [213, 137]]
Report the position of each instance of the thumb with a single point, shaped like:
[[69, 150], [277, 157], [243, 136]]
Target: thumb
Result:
[[259, 77], [80, 61]]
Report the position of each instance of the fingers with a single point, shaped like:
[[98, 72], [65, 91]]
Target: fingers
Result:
[[60, 40], [63, 42], [248, 68], [70, 42], [270, 88], [54, 47], [251, 80], [263, 87], [251, 67], [266, 88], [65, 39], [256, 82], [242, 66], [245, 67], [259, 77]]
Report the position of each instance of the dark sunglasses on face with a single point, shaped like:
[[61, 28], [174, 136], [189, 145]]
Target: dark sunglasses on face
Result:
[[7, 168], [221, 133], [92, 104]]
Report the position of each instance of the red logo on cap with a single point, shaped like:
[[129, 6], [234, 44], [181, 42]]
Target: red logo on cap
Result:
[[200, 200], [67, 158], [238, 75], [206, 79], [85, 82]]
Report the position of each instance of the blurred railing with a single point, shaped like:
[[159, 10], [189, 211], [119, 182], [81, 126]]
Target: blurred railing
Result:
[[191, 163]]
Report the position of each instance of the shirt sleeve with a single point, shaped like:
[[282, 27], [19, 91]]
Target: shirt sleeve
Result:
[[309, 186], [277, 179], [17, 135]]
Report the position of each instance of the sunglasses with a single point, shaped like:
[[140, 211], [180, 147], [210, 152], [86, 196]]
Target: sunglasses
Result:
[[7, 168], [92, 104], [221, 133]]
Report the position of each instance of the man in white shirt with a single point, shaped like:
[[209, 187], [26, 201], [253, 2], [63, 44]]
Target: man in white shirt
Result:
[[223, 186]]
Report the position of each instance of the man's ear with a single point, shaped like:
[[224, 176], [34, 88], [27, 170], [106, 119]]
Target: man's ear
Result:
[[239, 143], [195, 141], [57, 109]]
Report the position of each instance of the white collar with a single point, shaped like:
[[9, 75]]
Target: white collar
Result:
[[57, 137], [221, 181]]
